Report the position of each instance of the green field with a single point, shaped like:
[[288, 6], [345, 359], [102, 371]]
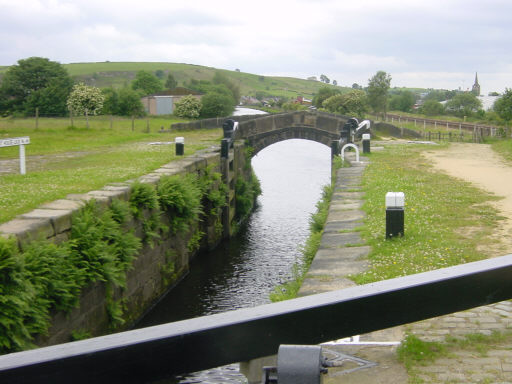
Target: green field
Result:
[[106, 74], [78, 160]]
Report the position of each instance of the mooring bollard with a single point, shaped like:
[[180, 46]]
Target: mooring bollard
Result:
[[395, 206], [366, 143], [224, 148], [180, 146]]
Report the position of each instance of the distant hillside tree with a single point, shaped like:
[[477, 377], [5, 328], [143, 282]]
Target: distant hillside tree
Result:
[[171, 82], [33, 83], [146, 83], [188, 106], [378, 87], [334, 82], [324, 79], [160, 73]]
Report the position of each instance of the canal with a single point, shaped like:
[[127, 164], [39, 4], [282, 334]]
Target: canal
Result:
[[243, 271]]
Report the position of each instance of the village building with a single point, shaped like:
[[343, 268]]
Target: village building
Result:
[[162, 103]]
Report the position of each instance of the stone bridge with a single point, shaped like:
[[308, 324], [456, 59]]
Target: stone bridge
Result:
[[262, 131]]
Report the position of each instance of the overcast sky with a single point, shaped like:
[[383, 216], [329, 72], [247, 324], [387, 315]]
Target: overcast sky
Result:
[[428, 43]]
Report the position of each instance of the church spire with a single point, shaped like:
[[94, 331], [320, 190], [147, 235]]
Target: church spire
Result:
[[476, 86]]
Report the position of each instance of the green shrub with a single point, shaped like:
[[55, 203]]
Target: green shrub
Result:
[[104, 250], [16, 296], [145, 198], [180, 197], [246, 193]]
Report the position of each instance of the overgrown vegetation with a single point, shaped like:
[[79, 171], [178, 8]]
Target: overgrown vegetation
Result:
[[46, 277], [246, 192]]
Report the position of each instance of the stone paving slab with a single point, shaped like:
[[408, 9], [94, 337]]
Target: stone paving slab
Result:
[[341, 226]]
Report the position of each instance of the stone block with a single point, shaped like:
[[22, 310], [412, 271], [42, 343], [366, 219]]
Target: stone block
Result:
[[109, 195], [60, 218], [64, 204], [26, 229]]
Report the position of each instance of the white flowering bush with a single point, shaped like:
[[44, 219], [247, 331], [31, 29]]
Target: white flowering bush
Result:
[[85, 100], [188, 106]]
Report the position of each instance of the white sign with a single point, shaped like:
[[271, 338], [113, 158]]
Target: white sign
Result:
[[14, 141], [20, 141]]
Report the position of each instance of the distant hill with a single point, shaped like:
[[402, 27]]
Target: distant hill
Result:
[[119, 74]]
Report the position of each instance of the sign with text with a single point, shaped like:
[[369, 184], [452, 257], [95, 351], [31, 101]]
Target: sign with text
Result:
[[14, 141]]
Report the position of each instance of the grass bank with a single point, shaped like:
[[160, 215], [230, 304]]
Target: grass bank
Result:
[[447, 221], [80, 160]]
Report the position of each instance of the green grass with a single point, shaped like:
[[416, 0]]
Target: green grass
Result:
[[504, 148], [438, 209], [105, 156], [55, 135]]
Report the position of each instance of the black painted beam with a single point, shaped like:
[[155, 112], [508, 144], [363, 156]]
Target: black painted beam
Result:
[[152, 353]]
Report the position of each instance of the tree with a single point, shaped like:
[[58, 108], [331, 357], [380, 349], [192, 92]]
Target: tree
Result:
[[432, 108], [220, 79], [33, 83], [323, 94], [188, 106], [464, 104], [146, 83], [85, 99], [216, 105], [402, 101], [503, 106], [324, 79], [378, 87], [334, 82], [353, 103], [111, 102], [171, 82], [356, 86], [159, 73], [130, 103]]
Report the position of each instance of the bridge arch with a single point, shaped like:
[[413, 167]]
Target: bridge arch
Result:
[[262, 132]]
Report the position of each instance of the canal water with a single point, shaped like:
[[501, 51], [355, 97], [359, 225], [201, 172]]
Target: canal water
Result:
[[243, 271]]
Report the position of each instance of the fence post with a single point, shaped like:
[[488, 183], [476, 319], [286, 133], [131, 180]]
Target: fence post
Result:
[[133, 123], [37, 118], [71, 116], [111, 121], [147, 125]]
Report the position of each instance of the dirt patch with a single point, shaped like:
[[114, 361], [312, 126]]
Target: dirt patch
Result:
[[480, 165]]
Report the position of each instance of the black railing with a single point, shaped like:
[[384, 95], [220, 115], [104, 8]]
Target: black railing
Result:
[[148, 354]]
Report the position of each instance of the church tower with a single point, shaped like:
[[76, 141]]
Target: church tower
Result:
[[476, 86]]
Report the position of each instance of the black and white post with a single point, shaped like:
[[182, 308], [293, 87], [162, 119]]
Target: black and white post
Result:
[[395, 207]]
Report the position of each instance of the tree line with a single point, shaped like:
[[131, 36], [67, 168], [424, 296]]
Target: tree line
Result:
[[38, 83], [378, 97]]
